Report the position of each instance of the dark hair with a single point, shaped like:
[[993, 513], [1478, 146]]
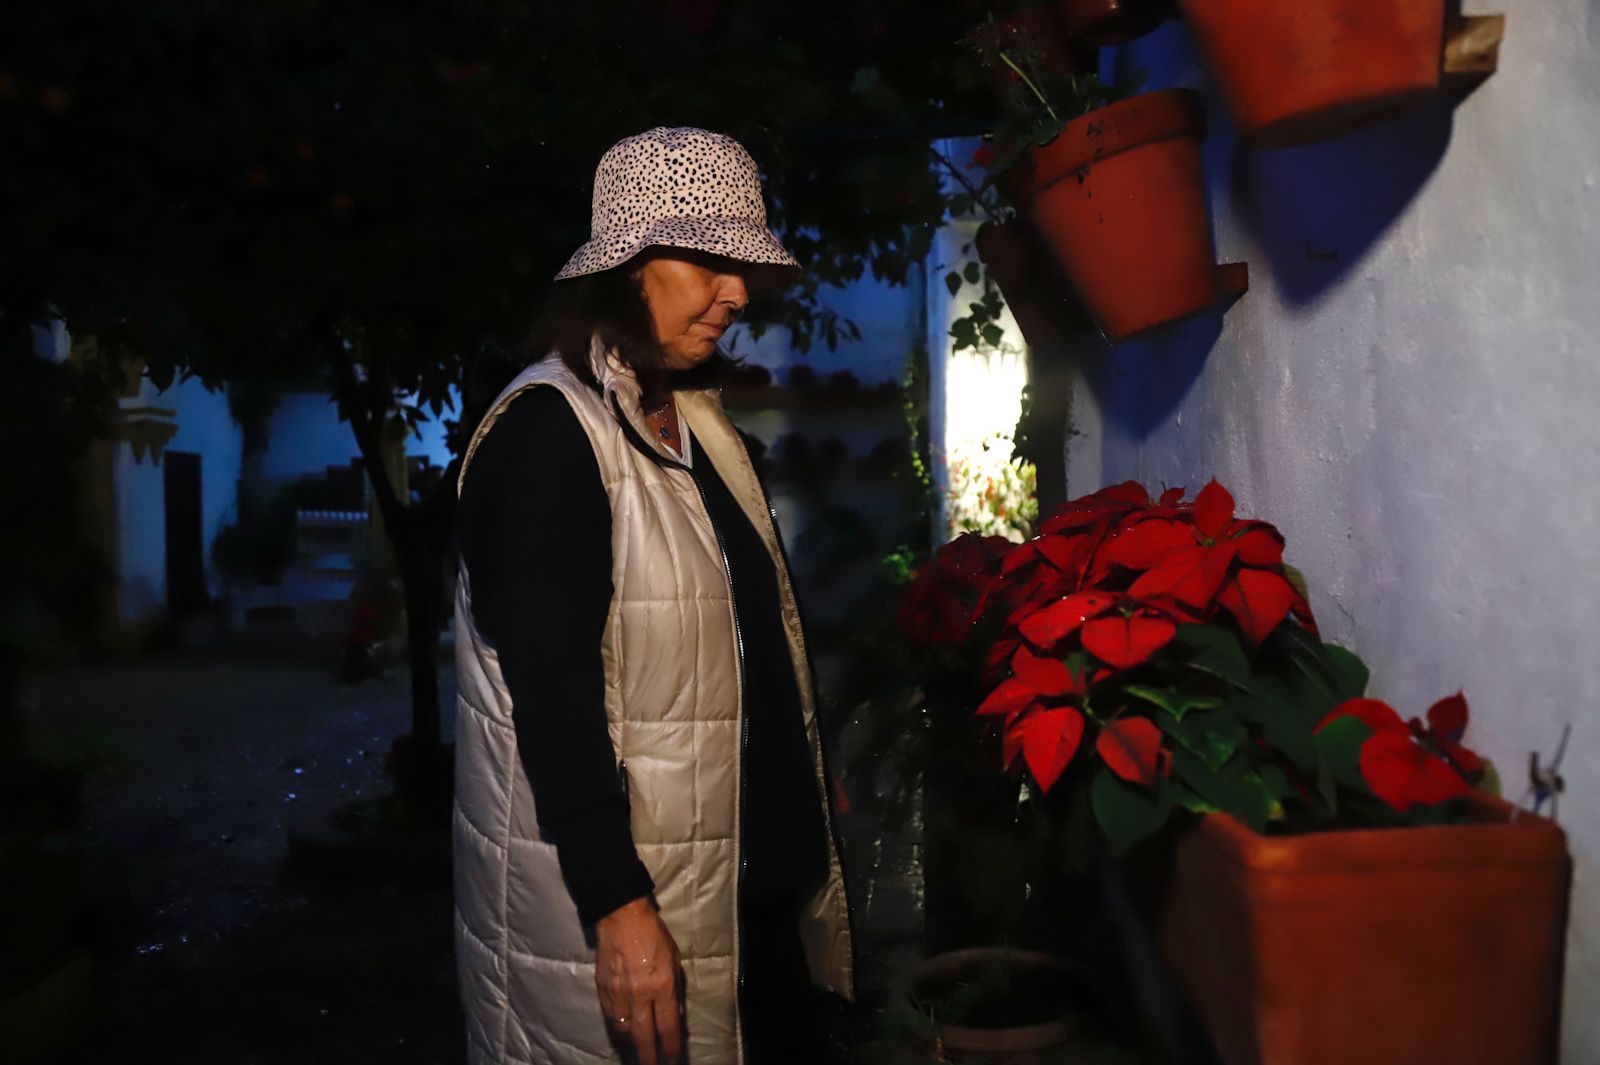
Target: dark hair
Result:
[[611, 304]]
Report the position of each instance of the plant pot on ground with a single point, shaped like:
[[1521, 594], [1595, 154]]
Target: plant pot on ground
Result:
[[1298, 72], [992, 1005], [1379, 946]]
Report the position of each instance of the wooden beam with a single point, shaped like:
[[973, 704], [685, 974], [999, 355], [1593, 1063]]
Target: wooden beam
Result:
[[1472, 49]]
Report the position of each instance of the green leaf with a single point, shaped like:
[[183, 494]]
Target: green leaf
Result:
[[993, 334], [1338, 745], [1215, 650], [1126, 813], [1234, 789], [952, 281], [1214, 737], [1171, 700], [1350, 673], [973, 273], [1275, 708]]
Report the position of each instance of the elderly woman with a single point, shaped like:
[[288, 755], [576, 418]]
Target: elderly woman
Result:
[[644, 854]]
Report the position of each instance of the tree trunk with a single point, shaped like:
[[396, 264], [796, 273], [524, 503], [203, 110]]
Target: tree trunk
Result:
[[421, 538], [420, 535]]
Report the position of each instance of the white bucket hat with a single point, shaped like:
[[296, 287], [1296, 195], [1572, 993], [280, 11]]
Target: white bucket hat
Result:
[[681, 187]]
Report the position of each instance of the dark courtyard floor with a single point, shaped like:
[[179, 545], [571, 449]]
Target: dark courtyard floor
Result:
[[218, 955], [227, 945]]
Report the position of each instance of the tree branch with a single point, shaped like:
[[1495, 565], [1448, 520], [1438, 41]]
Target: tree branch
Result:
[[972, 190]]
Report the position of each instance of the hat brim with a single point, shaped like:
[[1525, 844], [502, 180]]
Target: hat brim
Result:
[[733, 238]]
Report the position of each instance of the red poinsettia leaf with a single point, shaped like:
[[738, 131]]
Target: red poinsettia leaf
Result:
[[1046, 626], [1125, 642], [1040, 590], [998, 657], [1463, 758], [1404, 775], [1128, 493], [1259, 545], [1049, 739], [1167, 607], [1008, 698], [1147, 543], [1024, 554], [1068, 519], [1044, 676], [1213, 510], [1193, 576], [1301, 612], [1065, 553], [1378, 715], [1131, 748], [1259, 600], [1011, 740], [1447, 718], [1170, 498]]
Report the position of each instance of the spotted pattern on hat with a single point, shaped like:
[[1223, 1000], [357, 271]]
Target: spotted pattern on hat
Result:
[[681, 187]]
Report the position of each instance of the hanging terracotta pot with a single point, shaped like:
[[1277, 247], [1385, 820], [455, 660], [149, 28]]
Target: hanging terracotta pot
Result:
[[1105, 22], [1298, 72], [1041, 300], [1385, 946], [1120, 196]]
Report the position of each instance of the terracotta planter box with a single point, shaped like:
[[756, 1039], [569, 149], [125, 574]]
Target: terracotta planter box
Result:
[[1298, 72], [1120, 196], [1380, 947]]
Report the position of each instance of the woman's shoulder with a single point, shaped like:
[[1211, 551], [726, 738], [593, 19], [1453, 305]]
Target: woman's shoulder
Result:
[[537, 417]]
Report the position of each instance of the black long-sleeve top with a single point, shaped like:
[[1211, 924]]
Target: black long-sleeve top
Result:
[[535, 534]]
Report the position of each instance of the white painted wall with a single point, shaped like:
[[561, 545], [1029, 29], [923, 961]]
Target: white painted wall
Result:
[[975, 396], [1409, 391], [306, 436], [204, 427]]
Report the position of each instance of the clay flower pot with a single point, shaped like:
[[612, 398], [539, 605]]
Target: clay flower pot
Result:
[[1111, 21], [1041, 300], [1120, 196], [1384, 946], [1298, 72]]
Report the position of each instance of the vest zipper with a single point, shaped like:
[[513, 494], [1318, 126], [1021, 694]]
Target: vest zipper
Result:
[[744, 720]]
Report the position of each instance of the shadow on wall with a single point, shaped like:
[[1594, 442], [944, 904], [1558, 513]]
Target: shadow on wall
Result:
[[1139, 383], [1313, 214], [1316, 211]]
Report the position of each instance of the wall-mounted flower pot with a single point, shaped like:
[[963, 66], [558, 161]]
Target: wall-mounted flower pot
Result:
[[1041, 299], [1111, 21], [1298, 72], [1120, 197], [1382, 946]]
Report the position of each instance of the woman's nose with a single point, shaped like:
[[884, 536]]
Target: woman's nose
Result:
[[733, 293]]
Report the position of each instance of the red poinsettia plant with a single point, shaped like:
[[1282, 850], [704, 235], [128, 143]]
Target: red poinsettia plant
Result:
[[1145, 654]]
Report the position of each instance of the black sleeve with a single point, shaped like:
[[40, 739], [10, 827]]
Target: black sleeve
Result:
[[535, 534]]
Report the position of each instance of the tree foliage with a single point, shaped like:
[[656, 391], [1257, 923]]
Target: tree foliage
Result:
[[374, 195]]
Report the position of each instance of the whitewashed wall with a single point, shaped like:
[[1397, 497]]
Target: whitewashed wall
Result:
[[1410, 392]]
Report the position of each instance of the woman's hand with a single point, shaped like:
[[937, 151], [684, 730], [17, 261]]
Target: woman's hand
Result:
[[636, 972]]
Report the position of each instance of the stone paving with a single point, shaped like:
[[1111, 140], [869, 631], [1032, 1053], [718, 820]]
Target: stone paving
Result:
[[211, 758]]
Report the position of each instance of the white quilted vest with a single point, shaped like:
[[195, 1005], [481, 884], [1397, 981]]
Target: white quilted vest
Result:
[[672, 682]]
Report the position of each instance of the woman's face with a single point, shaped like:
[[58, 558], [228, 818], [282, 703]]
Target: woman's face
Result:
[[693, 298]]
